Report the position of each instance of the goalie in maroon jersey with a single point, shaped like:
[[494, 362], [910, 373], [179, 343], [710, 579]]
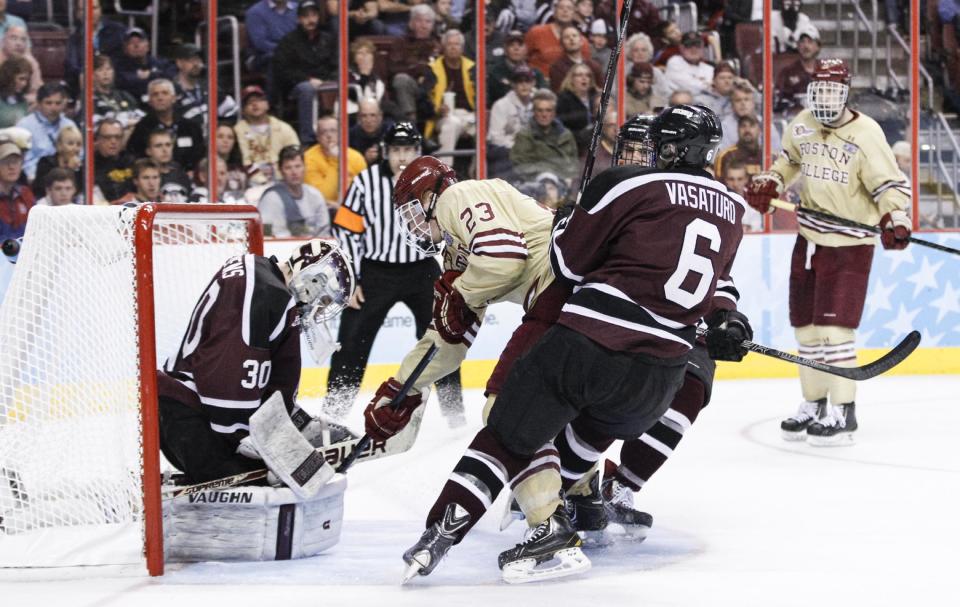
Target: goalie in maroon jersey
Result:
[[243, 344], [646, 250]]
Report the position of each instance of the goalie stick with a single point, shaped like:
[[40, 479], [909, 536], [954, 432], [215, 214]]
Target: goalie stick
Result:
[[402, 394], [883, 364], [789, 206]]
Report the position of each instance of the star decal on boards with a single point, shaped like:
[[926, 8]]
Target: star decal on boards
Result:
[[925, 277], [948, 302]]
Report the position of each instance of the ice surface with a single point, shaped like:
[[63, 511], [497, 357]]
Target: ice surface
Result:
[[740, 518]]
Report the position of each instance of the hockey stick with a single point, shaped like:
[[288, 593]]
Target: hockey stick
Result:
[[604, 99], [883, 364], [394, 403], [789, 206]]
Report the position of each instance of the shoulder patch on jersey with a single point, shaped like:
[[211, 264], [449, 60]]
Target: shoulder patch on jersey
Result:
[[802, 130]]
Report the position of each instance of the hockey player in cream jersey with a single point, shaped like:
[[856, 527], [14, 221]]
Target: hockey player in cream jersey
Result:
[[846, 168]]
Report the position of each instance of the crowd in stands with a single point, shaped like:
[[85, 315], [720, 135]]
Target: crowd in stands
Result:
[[278, 145]]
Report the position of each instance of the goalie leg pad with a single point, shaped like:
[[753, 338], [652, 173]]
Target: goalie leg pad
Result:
[[252, 524], [285, 451]]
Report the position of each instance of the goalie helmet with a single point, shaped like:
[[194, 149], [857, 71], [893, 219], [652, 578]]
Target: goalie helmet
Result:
[[633, 143], [685, 136], [828, 90], [415, 196], [320, 278]]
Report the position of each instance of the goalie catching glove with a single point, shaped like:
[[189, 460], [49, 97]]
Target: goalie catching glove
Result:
[[896, 230], [763, 188], [452, 317], [381, 421], [727, 329]]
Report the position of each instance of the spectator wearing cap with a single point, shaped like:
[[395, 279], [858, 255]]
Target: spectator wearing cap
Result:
[[260, 135], [410, 74], [509, 114], [160, 150], [191, 88], [16, 199], [455, 78], [572, 41], [304, 61], [500, 69], [107, 40], [111, 102], [688, 70], [717, 97], [322, 161], [747, 149], [600, 50], [136, 68], [188, 137], [268, 21], [787, 25], [640, 98], [292, 207], [111, 162], [146, 183], [16, 43], [544, 144], [550, 191], [365, 136], [668, 41], [790, 91], [543, 41], [44, 124]]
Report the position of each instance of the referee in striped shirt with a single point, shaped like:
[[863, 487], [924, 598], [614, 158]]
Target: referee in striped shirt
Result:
[[388, 269]]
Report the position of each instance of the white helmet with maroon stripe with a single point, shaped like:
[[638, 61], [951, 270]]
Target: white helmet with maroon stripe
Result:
[[828, 90]]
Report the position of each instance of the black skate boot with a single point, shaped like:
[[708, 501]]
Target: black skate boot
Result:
[[618, 503], [423, 557], [794, 428], [587, 514], [549, 550], [836, 428]]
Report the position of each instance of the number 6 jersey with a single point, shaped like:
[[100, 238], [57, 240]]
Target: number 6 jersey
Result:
[[650, 253]]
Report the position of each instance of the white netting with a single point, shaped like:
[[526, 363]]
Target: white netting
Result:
[[70, 464]]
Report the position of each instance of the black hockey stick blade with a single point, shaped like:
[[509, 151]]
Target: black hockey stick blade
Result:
[[402, 394], [883, 364]]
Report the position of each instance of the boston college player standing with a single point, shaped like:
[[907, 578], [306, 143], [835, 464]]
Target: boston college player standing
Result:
[[645, 249], [849, 171]]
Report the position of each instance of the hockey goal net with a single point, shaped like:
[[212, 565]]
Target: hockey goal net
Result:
[[100, 297]]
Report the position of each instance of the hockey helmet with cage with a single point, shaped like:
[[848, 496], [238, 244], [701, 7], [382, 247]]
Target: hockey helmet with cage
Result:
[[414, 198], [685, 136], [633, 145], [828, 90], [320, 278]]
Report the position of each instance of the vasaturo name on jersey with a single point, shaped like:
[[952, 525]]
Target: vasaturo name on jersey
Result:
[[705, 199]]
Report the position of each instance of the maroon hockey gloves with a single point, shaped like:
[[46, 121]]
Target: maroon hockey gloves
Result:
[[763, 188], [382, 421], [896, 230], [727, 328], [453, 319]]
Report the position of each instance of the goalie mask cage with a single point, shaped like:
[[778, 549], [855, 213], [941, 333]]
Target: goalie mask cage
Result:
[[99, 298]]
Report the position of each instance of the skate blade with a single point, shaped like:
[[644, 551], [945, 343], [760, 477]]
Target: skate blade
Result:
[[635, 533], [566, 562], [793, 437], [415, 567], [844, 439]]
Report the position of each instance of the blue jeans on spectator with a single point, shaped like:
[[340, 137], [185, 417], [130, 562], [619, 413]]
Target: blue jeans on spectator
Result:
[[305, 97]]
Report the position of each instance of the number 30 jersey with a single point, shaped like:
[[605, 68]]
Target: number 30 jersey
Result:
[[240, 346], [650, 253]]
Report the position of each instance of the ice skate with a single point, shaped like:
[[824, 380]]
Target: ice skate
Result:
[[549, 550], [618, 503], [794, 428], [588, 515], [836, 428], [422, 558]]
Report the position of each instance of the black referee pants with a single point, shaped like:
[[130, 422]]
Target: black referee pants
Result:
[[385, 284]]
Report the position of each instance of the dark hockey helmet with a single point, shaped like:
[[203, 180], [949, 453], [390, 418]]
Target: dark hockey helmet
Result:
[[633, 142], [414, 198], [828, 90], [686, 136], [401, 134]]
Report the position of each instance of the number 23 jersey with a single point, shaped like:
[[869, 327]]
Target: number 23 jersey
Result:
[[650, 253]]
